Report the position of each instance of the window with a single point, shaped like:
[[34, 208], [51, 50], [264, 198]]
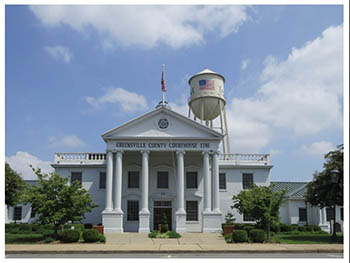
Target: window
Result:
[[303, 214], [191, 211], [342, 214], [76, 176], [17, 213], [162, 180], [222, 181], [329, 213], [32, 213], [248, 218], [247, 180], [133, 210], [133, 179], [191, 180], [102, 180]]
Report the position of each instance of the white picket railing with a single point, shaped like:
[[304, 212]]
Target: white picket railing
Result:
[[239, 158], [79, 157]]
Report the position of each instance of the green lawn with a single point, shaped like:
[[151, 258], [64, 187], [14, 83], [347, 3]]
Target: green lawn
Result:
[[306, 238]]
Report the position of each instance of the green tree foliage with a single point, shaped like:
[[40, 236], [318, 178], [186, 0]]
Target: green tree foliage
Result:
[[262, 203], [326, 189], [14, 186], [322, 191], [57, 202]]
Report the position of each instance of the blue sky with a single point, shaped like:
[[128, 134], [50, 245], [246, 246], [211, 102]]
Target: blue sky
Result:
[[73, 73]]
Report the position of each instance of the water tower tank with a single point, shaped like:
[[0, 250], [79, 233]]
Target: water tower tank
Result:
[[207, 94]]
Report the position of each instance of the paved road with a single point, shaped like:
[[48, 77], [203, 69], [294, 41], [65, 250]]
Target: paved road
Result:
[[187, 255]]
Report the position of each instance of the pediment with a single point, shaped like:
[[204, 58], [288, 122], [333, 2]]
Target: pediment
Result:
[[162, 123]]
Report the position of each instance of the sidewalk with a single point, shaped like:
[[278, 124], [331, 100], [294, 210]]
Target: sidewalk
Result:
[[189, 242]]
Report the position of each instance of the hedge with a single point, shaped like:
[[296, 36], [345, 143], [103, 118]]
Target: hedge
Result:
[[257, 235], [301, 228], [69, 236], [23, 238], [239, 236], [91, 235], [309, 228]]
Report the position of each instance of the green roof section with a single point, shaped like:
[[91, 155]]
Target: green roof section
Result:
[[294, 189]]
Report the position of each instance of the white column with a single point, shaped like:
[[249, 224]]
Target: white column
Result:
[[320, 216], [109, 181], [207, 185], [216, 197], [180, 213], [324, 216], [117, 201], [144, 214]]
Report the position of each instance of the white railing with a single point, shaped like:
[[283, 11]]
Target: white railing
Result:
[[79, 157], [239, 158]]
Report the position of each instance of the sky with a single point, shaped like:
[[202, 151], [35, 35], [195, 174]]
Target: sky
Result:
[[74, 72]]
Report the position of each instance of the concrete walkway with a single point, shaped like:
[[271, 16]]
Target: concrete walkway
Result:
[[189, 242]]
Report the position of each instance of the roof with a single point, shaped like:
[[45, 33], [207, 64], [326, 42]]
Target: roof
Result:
[[294, 189], [206, 71], [168, 111]]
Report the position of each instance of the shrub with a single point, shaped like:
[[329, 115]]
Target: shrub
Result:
[[23, 238], [248, 228], [91, 235], [309, 228], [87, 226], [173, 234], [228, 238], [316, 228], [294, 227], [257, 235], [164, 227], [285, 228], [25, 228], [69, 236], [102, 238], [153, 234], [239, 226], [49, 240], [239, 236], [276, 228], [301, 229]]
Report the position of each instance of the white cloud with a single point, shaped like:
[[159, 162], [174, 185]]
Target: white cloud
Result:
[[70, 141], [301, 94], [60, 53], [20, 163], [128, 101], [317, 149], [244, 64], [146, 26]]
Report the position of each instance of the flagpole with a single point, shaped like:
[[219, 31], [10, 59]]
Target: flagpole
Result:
[[163, 92]]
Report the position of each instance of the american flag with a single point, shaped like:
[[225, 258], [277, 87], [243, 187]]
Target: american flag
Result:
[[163, 81], [206, 84]]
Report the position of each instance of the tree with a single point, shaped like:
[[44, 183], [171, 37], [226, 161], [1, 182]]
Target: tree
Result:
[[262, 203], [14, 186], [326, 189], [57, 202]]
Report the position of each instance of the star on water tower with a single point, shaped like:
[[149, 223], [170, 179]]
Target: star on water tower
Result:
[[207, 101]]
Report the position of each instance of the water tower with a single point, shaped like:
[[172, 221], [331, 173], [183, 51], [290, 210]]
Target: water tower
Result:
[[207, 101]]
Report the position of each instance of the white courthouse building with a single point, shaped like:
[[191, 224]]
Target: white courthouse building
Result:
[[165, 163]]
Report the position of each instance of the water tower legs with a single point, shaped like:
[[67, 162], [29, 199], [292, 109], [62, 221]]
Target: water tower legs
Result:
[[226, 133]]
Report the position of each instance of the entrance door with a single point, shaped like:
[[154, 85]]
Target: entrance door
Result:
[[158, 215]]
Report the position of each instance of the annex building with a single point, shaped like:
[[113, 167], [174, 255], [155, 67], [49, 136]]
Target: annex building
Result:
[[165, 163]]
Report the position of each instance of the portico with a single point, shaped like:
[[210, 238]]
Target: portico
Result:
[[173, 146]]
